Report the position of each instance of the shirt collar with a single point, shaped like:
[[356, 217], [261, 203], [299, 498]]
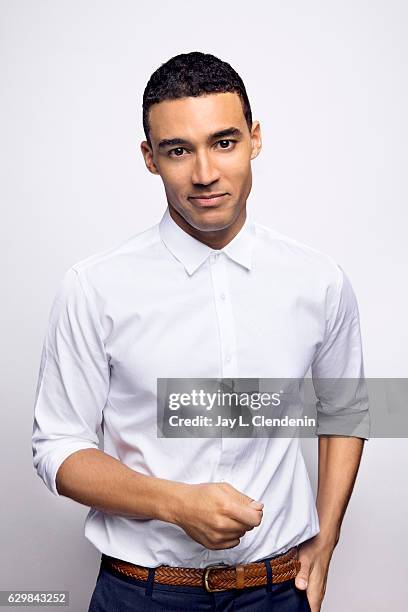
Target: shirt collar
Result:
[[192, 253]]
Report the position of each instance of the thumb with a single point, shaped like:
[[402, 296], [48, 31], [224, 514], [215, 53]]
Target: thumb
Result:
[[248, 501], [302, 577], [247, 510], [256, 504]]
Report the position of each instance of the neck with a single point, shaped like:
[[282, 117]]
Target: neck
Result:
[[216, 239]]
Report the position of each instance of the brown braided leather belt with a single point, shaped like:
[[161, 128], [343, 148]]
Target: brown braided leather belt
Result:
[[213, 577]]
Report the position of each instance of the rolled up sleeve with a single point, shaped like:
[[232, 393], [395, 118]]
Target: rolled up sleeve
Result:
[[338, 369], [73, 381]]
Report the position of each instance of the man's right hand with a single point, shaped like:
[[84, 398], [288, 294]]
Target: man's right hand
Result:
[[216, 515]]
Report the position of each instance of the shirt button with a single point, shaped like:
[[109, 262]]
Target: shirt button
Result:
[[222, 296], [228, 358]]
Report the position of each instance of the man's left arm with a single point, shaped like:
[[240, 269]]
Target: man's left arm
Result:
[[339, 460], [343, 424]]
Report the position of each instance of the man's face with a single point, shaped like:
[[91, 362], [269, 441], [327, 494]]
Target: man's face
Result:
[[202, 147]]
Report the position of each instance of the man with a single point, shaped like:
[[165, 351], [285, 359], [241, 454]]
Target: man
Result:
[[205, 293]]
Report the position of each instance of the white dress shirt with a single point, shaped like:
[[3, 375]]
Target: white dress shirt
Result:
[[164, 305]]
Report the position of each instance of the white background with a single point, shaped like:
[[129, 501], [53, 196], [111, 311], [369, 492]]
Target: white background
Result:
[[327, 81]]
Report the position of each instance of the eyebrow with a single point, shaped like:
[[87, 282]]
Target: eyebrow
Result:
[[171, 142]]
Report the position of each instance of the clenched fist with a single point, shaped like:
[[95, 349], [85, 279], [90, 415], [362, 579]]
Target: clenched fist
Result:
[[216, 515]]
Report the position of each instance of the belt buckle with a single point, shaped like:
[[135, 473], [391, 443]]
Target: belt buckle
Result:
[[206, 576]]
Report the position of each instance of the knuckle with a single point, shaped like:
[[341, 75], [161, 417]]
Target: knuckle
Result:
[[225, 508], [218, 524], [224, 486], [216, 538]]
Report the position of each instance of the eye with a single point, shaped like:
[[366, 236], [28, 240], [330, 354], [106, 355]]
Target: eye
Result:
[[178, 151], [226, 142]]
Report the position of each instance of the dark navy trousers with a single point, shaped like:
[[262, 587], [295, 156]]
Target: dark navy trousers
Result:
[[118, 593]]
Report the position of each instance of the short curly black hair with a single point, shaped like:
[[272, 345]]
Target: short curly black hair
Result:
[[192, 74]]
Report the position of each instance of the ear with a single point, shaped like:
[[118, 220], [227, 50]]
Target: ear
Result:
[[148, 157], [256, 139]]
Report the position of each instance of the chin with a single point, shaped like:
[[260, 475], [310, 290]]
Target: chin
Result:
[[211, 220]]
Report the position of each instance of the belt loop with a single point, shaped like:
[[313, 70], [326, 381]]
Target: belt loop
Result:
[[150, 582], [269, 575]]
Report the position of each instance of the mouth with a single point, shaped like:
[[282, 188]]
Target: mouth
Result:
[[207, 201]]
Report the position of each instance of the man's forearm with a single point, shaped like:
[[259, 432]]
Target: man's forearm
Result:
[[96, 479], [339, 460]]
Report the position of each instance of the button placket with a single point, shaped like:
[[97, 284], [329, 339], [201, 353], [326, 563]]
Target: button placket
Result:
[[229, 365], [224, 317]]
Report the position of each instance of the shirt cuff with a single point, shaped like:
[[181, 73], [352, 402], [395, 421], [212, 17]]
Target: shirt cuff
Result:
[[54, 459], [355, 424]]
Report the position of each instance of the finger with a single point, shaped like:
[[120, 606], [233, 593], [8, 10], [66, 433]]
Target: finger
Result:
[[235, 527], [302, 577], [237, 533], [256, 504], [228, 544], [247, 515]]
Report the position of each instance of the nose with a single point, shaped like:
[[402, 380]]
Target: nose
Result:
[[204, 170]]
